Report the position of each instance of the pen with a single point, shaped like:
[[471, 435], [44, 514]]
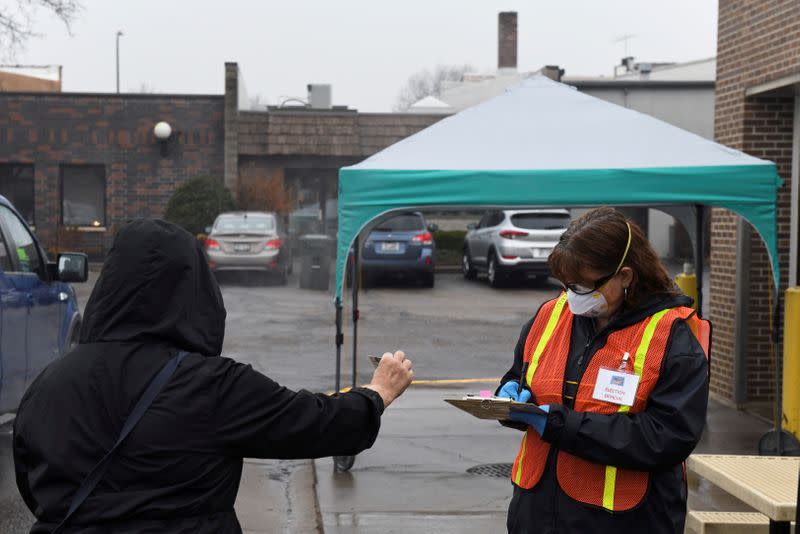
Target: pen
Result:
[[522, 376]]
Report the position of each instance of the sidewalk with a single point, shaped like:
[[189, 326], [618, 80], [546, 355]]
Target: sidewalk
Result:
[[277, 496], [415, 478]]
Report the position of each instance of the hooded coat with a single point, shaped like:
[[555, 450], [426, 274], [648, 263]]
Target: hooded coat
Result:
[[179, 469]]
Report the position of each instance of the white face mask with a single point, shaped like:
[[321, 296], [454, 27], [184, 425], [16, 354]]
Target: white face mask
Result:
[[593, 304]]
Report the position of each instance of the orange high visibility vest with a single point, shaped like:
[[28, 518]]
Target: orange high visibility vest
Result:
[[546, 353]]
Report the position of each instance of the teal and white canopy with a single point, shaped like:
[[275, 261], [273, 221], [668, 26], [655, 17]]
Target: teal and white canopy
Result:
[[544, 144]]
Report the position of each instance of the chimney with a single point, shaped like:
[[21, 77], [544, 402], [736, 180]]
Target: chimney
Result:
[[507, 41], [554, 72]]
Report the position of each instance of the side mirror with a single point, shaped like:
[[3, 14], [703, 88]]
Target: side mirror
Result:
[[472, 226], [207, 230], [73, 267], [433, 227]]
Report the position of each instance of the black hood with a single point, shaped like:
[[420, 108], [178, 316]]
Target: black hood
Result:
[[156, 287]]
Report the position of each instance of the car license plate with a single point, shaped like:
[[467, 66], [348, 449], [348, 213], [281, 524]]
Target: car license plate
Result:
[[241, 247], [540, 252], [390, 246]]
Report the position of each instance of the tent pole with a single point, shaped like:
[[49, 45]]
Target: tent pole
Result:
[[699, 252], [339, 342], [354, 281]]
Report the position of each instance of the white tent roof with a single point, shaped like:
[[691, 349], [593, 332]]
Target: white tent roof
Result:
[[430, 102], [540, 124]]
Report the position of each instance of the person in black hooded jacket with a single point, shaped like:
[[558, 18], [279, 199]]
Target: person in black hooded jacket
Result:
[[591, 462], [179, 469]]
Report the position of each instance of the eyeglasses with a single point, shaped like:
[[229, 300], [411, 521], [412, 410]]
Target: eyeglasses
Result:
[[580, 289]]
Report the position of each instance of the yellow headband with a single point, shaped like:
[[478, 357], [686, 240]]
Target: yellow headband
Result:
[[627, 247]]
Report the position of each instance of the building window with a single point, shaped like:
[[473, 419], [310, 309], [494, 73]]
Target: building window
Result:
[[83, 195], [16, 184]]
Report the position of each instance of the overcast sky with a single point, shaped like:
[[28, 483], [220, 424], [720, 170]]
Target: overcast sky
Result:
[[366, 49]]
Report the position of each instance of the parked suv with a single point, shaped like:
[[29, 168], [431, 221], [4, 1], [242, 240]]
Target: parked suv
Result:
[[39, 317], [402, 245], [248, 241], [512, 242]]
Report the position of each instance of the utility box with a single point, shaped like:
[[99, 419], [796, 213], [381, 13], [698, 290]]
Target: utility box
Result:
[[315, 261], [319, 96]]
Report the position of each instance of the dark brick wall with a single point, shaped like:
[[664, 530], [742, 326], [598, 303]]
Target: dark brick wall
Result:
[[323, 134], [117, 132], [758, 41]]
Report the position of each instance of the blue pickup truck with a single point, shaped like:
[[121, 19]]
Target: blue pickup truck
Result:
[[39, 315]]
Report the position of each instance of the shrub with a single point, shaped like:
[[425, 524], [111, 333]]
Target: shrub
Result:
[[449, 239], [195, 204], [449, 245], [263, 190]]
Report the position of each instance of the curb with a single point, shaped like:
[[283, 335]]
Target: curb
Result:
[[304, 512]]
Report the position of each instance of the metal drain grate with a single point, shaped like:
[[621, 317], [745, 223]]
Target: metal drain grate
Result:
[[491, 470]]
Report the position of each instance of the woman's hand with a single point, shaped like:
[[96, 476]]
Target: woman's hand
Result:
[[534, 420], [510, 390], [392, 376]]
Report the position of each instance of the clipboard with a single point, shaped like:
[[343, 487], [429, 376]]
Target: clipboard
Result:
[[492, 407]]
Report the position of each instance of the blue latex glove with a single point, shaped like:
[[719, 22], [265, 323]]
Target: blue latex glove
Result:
[[535, 420], [510, 390]]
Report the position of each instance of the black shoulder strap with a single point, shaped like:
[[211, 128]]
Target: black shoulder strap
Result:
[[97, 472]]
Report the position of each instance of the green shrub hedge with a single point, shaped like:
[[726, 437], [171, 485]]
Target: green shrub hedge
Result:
[[195, 204], [449, 245]]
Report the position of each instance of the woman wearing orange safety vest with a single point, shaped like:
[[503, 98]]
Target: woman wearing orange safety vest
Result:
[[619, 365]]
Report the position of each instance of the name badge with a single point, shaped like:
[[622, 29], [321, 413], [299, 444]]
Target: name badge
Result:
[[617, 387]]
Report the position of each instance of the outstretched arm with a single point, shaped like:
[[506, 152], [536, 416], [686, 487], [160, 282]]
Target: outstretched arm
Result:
[[258, 418]]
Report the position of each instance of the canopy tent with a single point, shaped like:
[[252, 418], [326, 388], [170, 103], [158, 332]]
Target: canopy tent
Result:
[[543, 143]]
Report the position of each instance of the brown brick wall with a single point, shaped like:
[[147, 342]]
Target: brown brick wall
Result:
[[323, 134], [117, 132], [758, 41]]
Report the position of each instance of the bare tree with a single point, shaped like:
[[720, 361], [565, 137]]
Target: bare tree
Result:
[[429, 83], [258, 103], [17, 20], [145, 88]]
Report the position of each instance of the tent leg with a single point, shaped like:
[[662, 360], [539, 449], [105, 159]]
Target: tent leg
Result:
[[339, 343], [699, 252], [354, 280]]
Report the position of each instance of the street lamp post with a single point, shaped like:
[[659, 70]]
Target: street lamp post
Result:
[[119, 34]]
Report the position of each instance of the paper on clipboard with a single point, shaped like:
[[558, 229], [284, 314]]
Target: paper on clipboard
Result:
[[492, 407]]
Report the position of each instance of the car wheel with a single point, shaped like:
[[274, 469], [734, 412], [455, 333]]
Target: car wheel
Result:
[[428, 280], [492, 272], [467, 269]]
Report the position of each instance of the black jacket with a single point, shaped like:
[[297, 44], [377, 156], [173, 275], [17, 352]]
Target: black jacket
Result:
[[179, 469], [657, 439]]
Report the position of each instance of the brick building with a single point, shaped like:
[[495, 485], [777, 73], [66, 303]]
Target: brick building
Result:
[[34, 79], [758, 71], [78, 165]]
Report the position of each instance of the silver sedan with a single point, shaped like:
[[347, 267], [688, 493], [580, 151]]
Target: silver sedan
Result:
[[248, 241]]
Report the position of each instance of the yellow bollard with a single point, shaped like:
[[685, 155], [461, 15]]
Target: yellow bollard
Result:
[[687, 281], [791, 362]]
